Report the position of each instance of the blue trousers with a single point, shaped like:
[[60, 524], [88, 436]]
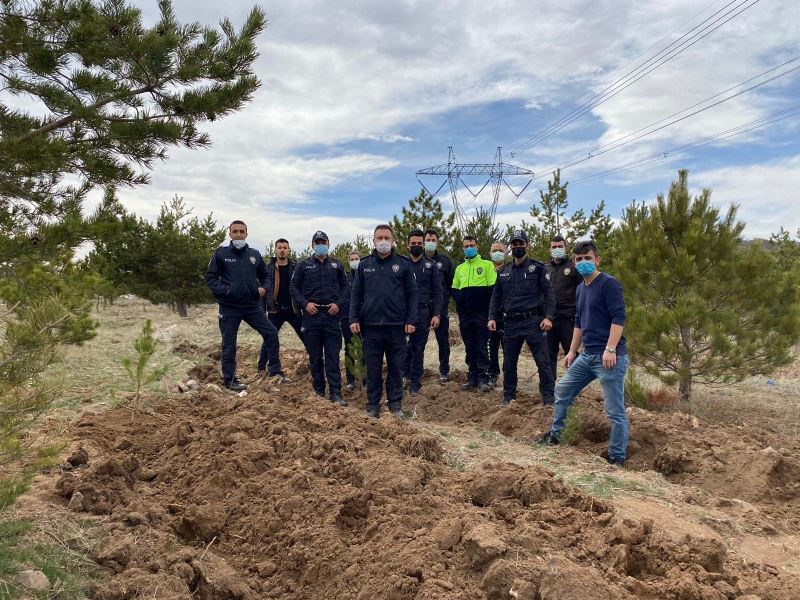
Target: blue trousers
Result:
[[388, 341], [230, 318], [415, 355], [322, 336], [476, 345], [585, 369]]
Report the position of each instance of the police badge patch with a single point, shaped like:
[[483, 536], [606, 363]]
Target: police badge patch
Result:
[[547, 276], [439, 264], [567, 271], [395, 268], [531, 268], [335, 265], [253, 259], [428, 265], [479, 270]]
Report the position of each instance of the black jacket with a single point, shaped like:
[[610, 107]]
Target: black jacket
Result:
[[384, 291], [320, 282], [565, 280], [429, 285], [273, 278], [345, 306], [446, 272], [235, 276], [522, 288]]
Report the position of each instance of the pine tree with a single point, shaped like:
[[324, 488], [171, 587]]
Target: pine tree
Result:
[[361, 244], [702, 307], [425, 212], [136, 366], [484, 229], [551, 218], [354, 359]]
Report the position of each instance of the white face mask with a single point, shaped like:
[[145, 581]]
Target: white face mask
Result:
[[384, 247], [239, 244], [558, 253], [354, 264]]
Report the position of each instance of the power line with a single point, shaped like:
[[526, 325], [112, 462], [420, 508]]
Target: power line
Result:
[[648, 66]]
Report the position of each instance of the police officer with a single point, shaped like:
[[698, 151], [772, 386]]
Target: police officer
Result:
[[429, 303], [523, 295], [237, 276], [383, 309], [446, 272], [498, 255], [278, 300], [354, 259], [319, 288], [564, 279], [472, 290]]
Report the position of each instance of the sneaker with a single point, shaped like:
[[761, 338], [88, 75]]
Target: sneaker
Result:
[[280, 378], [507, 401], [237, 380], [444, 378], [469, 386], [547, 440], [351, 387], [398, 414], [485, 387], [338, 400], [235, 386], [616, 462]]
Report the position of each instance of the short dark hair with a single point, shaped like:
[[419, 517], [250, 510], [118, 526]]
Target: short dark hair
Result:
[[416, 233], [237, 222], [470, 238], [432, 232], [584, 247], [385, 226], [281, 241], [558, 238]]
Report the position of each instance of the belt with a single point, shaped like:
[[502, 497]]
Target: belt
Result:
[[521, 316]]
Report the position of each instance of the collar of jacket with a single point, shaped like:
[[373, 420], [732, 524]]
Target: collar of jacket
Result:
[[378, 257]]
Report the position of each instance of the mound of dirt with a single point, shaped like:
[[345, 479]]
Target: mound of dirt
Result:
[[282, 495]]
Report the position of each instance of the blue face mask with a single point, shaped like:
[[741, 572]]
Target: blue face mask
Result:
[[471, 252], [430, 246], [585, 268], [321, 250], [498, 256]]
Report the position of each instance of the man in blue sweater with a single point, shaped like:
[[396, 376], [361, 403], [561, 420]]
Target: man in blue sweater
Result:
[[599, 322]]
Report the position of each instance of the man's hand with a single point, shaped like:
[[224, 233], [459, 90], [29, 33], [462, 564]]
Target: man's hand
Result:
[[492, 325], [355, 327], [546, 324], [262, 292], [435, 322], [311, 308], [410, 329], [609, 359], [569, 358], [333, 310]]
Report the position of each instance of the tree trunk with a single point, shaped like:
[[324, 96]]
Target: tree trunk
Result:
[[182, 307], [685, 381]]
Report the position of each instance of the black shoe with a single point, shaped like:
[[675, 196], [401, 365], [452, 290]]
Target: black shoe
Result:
[[507, 401], [547, 440], [279, 378], [261, 373], [398, 414], [492, 380], [337, 399], [237, 380], [469, 386], [444, 378], [235, 386], [414, 391], [351, 387], [617, 462], [374, 412], [485, 387], [406, 383], [320, 393], [549, 401]]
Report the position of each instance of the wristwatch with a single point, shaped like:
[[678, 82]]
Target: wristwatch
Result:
[[611, 350]]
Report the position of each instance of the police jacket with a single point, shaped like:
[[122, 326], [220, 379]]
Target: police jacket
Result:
[[384, 291], [564, 279], [446, 273], [318, 281], [522, 291], [274, 283], [472, 285], [344, 307], [235, 276], [429, 285]]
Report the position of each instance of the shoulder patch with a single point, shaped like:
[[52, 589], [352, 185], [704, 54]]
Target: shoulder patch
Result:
[[547, 276], [253, 259], [439, 264], [531, 268], [428, 265], [335, 264], [479, 270], [395, 268], [567, 271]]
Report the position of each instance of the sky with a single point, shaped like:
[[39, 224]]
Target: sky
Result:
[[357, 96]]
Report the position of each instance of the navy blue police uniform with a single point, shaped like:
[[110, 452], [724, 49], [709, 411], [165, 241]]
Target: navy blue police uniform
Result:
[[345, 321], [564, 279], [495, 343], [429, 305], [523, 297], [446, 271], [234, 276], [321, 281], [384, 300], [277, 302]]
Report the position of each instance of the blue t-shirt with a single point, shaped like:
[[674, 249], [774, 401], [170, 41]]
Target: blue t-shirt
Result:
[[599, 305]]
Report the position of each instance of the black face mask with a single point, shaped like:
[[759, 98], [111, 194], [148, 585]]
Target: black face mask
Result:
[[416, 250], [519, 252]]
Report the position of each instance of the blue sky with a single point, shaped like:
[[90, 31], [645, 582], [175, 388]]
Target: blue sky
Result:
[[358, 95]]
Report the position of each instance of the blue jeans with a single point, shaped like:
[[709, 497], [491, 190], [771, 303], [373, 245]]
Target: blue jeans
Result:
[[585, 369]]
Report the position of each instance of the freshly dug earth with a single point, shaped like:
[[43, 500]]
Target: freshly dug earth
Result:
[[281, 495]]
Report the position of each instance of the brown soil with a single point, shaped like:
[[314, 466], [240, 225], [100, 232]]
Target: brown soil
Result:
[[279, 494]]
